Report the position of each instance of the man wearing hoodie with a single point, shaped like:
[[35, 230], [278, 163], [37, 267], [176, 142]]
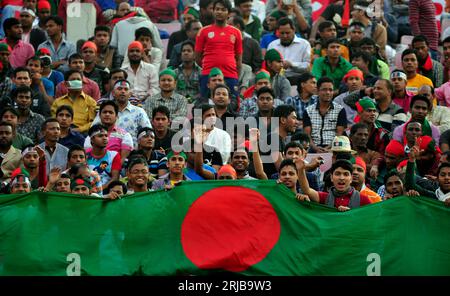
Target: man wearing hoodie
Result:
[[123, 32]]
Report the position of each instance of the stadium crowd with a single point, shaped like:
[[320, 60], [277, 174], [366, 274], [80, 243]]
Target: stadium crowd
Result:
[[245, 90]]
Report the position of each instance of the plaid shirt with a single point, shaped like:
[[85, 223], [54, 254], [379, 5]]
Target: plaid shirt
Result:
[[32, 127], [323, 128], [300, 106], [177, 104], [189, 87]]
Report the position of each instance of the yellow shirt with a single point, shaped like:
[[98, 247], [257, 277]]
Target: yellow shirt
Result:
[[84, 110], [414, 84]]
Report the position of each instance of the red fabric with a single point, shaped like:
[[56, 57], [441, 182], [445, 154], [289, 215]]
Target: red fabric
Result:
[[208, 244], [219, 46], [89, 44], [249, 92], [117, 163], [428, 65], [42, 173], [354, 73], [359, 161], [395, 148], [135, 44], [363, 199], [346, 16], [227, 169], [130, 15], [43, 4]]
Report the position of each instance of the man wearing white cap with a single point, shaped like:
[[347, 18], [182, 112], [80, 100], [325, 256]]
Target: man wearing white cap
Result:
[[401, 96], [34, 36]]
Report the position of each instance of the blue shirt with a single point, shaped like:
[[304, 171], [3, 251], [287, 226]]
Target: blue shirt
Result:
[[56, 77], [48, 85], [110, 4], [191, 174], [65, 50], [73, 138]]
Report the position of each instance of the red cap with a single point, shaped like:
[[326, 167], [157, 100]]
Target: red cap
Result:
[[44, 51], [354, 73], [135, 44], [395, 148], [359, 161], [89, 44], [227, 169], [43, 4]]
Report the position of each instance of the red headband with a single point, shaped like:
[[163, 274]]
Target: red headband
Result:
[[354, 73], [89, 44], [135, 44], [227, 169], [395, 148], [359, 161]]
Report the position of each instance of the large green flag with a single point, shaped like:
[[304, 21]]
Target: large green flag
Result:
[[246, 227]]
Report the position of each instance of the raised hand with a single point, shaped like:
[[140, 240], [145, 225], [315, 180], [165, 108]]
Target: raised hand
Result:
[[54, 175]]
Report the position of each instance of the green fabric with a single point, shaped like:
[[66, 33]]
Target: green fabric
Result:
[[140, 234], [273, 55], [168, 71], [321, 67], [192, 11], [278, 14], [3, 47], [20, 141], [262, 75], [215, 72], [367, 103], [254, 28]]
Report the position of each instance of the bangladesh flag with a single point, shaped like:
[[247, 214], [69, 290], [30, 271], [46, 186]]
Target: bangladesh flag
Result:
[[204, 227]]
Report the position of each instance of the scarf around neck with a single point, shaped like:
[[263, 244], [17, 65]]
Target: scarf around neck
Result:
[[441, 195], [339, 194], [428, 65]]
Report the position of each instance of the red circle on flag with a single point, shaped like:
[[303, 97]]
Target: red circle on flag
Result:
[[230, 228]]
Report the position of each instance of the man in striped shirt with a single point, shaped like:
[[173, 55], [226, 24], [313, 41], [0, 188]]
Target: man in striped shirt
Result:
[[422, 14]]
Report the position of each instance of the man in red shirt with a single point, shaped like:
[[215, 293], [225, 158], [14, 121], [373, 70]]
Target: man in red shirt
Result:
[[342, 195], [219, 45]]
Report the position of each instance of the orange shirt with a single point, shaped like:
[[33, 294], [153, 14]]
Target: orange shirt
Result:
[[371, 195]]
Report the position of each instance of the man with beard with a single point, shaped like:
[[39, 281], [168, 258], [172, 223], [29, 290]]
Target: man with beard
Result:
[[427, 66], [11, 116], [55, 153], [10, 157], [359, 180], [83, 105], [144, 75], [91, 70], [221, 100], [21, 51], [137, 174], [189, 15], [420, 105], [29, 123], [220, 40], [176, 103], [354, 82], [156, 160], [342, 195], [206, 12], [295, 50], [410, 66], [107, 163], [176, 162], [34, 166], [325, 119]]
